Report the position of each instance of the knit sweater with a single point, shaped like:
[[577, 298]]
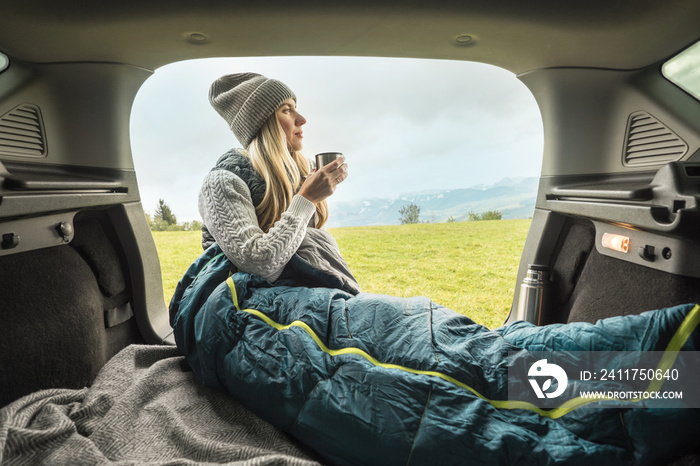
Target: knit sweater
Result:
[[226, 206]]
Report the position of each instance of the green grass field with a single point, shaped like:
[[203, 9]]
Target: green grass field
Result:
[[469, 267]]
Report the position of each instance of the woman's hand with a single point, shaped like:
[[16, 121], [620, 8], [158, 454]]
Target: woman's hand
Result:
[[322, 183]]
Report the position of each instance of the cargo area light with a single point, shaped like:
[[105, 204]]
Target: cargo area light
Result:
[[618, 243]]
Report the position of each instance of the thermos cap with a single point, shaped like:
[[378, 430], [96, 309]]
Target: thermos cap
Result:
[[537, 274]]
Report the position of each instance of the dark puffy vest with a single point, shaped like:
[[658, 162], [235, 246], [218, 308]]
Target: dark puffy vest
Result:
[[240, 165]]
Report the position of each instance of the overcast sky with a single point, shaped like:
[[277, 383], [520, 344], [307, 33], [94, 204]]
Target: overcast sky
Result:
[[403, 125]]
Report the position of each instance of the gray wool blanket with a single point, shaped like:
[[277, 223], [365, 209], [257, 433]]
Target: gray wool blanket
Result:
[[145, 407]]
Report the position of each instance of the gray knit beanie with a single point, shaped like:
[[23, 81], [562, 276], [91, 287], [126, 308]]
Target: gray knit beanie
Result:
[[246, 101]]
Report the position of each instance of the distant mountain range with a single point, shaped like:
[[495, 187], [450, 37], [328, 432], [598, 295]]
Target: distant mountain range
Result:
[[513, 197]]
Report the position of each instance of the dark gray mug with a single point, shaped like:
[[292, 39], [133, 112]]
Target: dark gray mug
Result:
[[324, 158]]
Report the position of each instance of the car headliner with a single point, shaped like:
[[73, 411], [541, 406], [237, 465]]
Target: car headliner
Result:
[[517, 35]]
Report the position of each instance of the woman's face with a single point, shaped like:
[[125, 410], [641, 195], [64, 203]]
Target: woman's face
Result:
[[291, 122]]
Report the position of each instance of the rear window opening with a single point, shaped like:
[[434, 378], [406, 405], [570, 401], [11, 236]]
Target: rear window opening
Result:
[[683, 70], [4, 62], [459, 141]]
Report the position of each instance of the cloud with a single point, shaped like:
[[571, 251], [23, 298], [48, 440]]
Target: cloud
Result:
[[404, 125]]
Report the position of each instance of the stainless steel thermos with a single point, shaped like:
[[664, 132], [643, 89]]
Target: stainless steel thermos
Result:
[[534, 292]]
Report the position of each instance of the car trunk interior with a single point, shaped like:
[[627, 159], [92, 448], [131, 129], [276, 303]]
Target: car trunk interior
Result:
[[79, 271]]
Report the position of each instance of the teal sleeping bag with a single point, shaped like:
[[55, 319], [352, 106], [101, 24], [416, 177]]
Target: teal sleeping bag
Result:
[[374, 379]]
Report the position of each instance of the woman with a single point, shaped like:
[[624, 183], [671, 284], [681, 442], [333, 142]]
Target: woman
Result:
[[259, 203]]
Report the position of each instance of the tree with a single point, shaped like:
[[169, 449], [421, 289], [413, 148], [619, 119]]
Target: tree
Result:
[[410, 213], [164, 213], [489, 215], [194, 225]]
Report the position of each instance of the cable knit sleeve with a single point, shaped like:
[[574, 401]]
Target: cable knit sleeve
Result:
[[227, 209]]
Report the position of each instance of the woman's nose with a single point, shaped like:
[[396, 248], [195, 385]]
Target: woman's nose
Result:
[[300, 120]]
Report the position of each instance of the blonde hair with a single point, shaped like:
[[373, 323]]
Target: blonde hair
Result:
[[283, 171]]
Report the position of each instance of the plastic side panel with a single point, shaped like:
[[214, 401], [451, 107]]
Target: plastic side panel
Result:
[[33, 188], [146, 280], [585, 114], [667, 201], [85, 109]]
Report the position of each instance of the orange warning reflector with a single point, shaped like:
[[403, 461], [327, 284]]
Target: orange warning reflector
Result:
[[615, 242]]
